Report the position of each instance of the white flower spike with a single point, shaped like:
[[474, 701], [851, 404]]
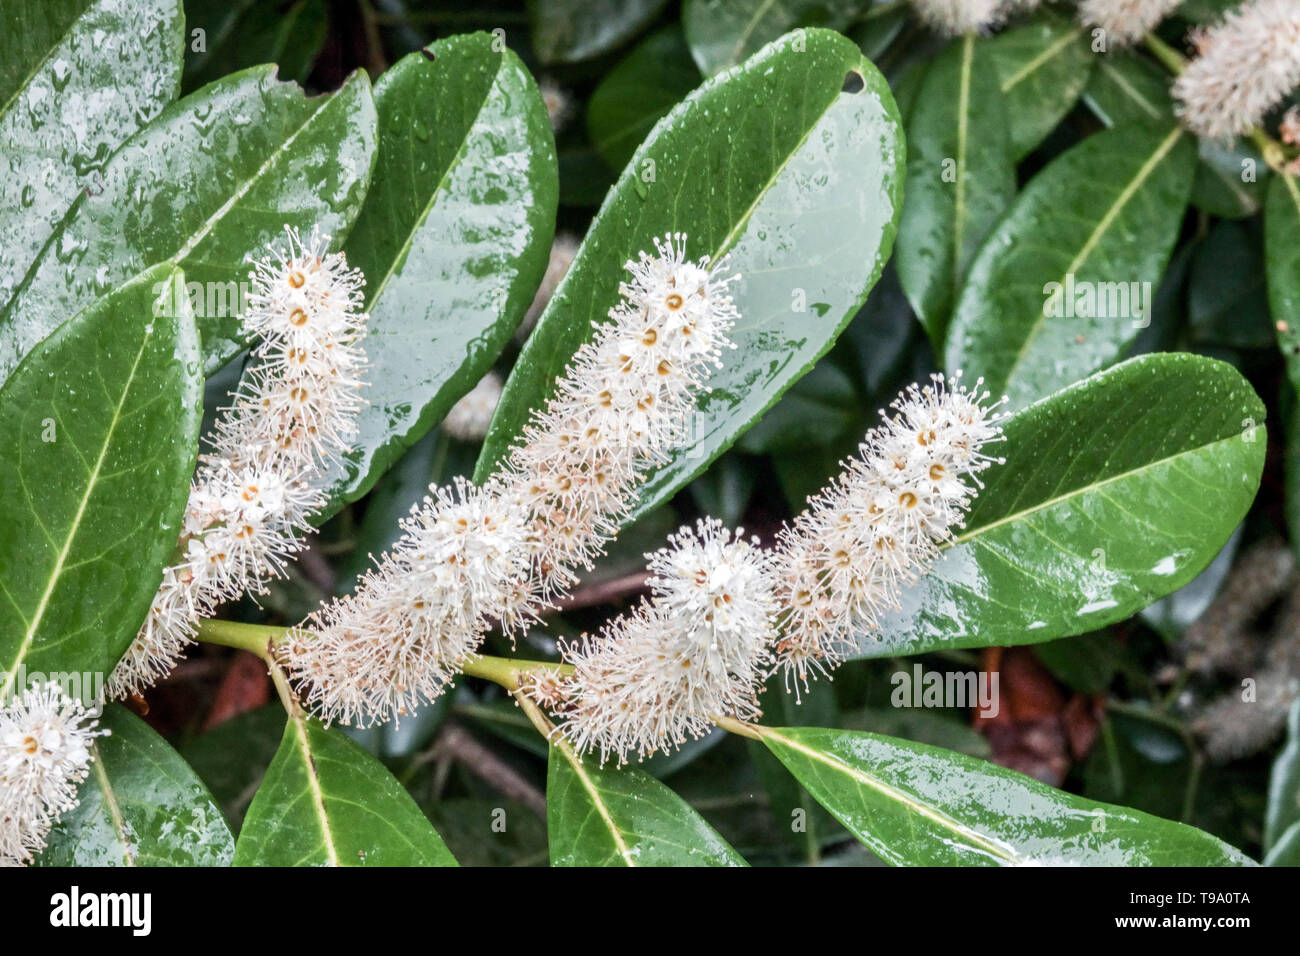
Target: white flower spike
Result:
[[698, 649], [499, 553], [45, 741], [878, 526], [1125, 21], [1247, 65], [254, 494]]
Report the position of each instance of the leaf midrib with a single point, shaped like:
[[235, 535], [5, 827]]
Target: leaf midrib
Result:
[[1042, 58], [313, 784], [74, 528], [110, 802], [974, 533], [1103, 225], [597, 801], [454, 163], [40, 65], [898, 796]]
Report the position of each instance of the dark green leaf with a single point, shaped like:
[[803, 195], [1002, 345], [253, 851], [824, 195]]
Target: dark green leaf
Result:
[[722, 33], [916, 805], [243, 33], [1231, 181], [960, 178], [1115, 492], [232, 757], [1283, 811], [803, 194], [1126, 89], [1286, 851], [567, 31], [607, 817], [141, 805], [212, 179], [99, 428], [1282, 260], [633, 96], [1044, 66], [1065, 281], [77, 77], [453, 239], [1227, 299], [326, 802]]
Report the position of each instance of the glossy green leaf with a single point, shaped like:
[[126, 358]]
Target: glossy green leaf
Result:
[[1066, 280], [624, 817], [232, 757], [722, 33], [1043, 67], [99, 428], [1115, 492], [211, 180], [453, 239], [326, 802], [633, 96], [567, 31], [243, 33], [803, 194], [1231, 180], [912, 804], [1283, 811], [1125, 88], [77, 77], [141, 805], [1282, 264], [960, 178]]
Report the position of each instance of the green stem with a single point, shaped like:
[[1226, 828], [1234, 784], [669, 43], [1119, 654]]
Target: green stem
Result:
[[733, 726], [1173, 61], [254, 638], [509, 672]]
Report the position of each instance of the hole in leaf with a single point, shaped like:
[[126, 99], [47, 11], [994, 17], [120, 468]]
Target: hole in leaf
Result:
[[428, 55], [853, 82]]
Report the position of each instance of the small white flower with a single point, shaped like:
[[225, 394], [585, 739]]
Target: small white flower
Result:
[[1247, 65], [469, 418], [45, 741]]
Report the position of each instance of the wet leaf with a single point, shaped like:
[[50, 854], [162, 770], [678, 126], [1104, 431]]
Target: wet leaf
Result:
[[1065, 281], [212, 179], [911, 804], [567, 31], [1125, 88], [722, 33], [1043, 67], [77, 77], [960, 178], [633, 96], [802, 193], [326, 802], [1115, 492], [453, 239], [99, 428], [608, 817], [1282, 262], [141, 805]]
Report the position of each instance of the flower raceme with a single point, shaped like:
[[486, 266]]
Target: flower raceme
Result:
[[1125, 22], [698, 649], [1248, 63], [879, 525], [724, 614], [45, 741], [474, 557], [256, 489]]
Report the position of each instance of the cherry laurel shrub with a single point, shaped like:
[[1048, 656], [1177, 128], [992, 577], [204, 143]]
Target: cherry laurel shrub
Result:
[[505, 525]]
